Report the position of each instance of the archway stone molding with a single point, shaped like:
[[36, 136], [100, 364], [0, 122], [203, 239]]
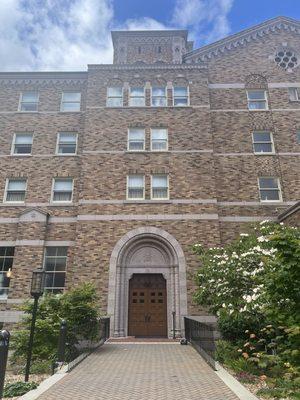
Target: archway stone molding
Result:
[[123, 264]]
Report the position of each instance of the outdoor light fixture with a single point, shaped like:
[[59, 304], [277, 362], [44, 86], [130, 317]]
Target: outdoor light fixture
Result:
[[8, 273], [36, 291]]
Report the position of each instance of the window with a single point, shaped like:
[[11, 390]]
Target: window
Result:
[[136, 139], [66, 143], [136, 187], [70, 101], [137, 97], [114, 97], [29, 101], [62, 190], [298, 136], [159, 139], [15, 190], [159, 98], [22, 143], [294, 94], [55, 262], [269, 189], [263, 142], [6, 263], [180, 96], [159, 189], [257, 100]]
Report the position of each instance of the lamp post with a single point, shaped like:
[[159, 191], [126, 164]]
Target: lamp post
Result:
[[36, 291]]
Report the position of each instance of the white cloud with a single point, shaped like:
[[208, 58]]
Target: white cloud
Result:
[[206, 19], [69, 34]]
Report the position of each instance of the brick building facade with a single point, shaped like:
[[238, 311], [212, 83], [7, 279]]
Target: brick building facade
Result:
[[110, 175]]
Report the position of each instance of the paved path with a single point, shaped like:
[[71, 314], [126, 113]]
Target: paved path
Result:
[[163, 371]]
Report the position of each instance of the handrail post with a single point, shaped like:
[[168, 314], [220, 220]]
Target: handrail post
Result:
[[4, 345], [62, 342], [174, 324]]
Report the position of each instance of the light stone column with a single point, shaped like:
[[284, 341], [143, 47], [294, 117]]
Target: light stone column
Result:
[[177, 301], [117, 302]]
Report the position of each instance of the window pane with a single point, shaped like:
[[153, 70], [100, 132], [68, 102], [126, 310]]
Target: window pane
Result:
[[114, 91], [180, 91], [159, 181], [61, 184], [269, 195], [256, 95], [29, 107], [159, 101], [30, 97], [293, 94], [263, 148], [51, 251], [71, 96], [136, 146], [262, 136], [135, 193], [136, 134], [59, 280], [136, 181], [268, 183], [67, 137], [158, 91], [62, 196], [298, 137], [159, 145], [180, 102], [70, 106], [62, 251], [115, 102], [159, 134], [137, 101], [23, 138], [257, 105], [50, 264], [67, 149], [17, 184], [137, 91]]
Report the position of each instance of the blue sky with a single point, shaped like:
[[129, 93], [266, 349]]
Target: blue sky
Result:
[[69, 34]]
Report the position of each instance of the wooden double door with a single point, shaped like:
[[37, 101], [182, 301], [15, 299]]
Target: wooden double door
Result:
[[147, 306]]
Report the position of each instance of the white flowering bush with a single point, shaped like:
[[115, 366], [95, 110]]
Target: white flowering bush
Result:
[[254, 279]]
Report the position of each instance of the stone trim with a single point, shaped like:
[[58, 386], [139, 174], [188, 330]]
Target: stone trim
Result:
[[255, 203], [146, 217], [10, 243], [174, 201], [239, 218], [11, 316], [271, 85], [143, 152], [7, 243], [63, 243], [175, 276], [134, 67]]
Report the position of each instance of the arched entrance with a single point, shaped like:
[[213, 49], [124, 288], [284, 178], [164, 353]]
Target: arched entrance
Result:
[[147, 253]]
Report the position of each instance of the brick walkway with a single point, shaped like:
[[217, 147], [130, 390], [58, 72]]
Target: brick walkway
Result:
[[163, 371]]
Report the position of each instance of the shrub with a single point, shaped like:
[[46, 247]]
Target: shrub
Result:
[[18, 388], [78, 307]]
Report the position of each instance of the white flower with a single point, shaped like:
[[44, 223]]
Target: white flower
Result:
[[244, 234], [262, 239]]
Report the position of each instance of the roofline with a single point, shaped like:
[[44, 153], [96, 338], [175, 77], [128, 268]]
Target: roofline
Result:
[[242, 33], [289, 211], [43, 74], [165, 32]]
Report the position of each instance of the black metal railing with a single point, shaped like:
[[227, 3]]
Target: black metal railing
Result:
[[74, 341], [203, 336], [4, 345]]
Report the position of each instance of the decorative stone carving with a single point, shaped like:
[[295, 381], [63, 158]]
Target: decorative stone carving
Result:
[[33, 215], [256, 81]]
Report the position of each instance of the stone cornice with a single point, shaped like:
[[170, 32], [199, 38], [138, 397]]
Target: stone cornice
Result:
[[43, 78], [134, 67], [242, 38]]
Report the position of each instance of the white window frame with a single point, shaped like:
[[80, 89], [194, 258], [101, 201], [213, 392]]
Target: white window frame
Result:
[[294, 92], [12, 151], [129, 96], [128, 141], [57, 144], [168, 188], [3, 272], [271, 141], [37, 102], [49, 289], [165, 96], [114, 97], [188, 95], [167, 141], [62, 102], [279, 189], [52, 191], [265, 100], [6, 189], [127, 189]]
